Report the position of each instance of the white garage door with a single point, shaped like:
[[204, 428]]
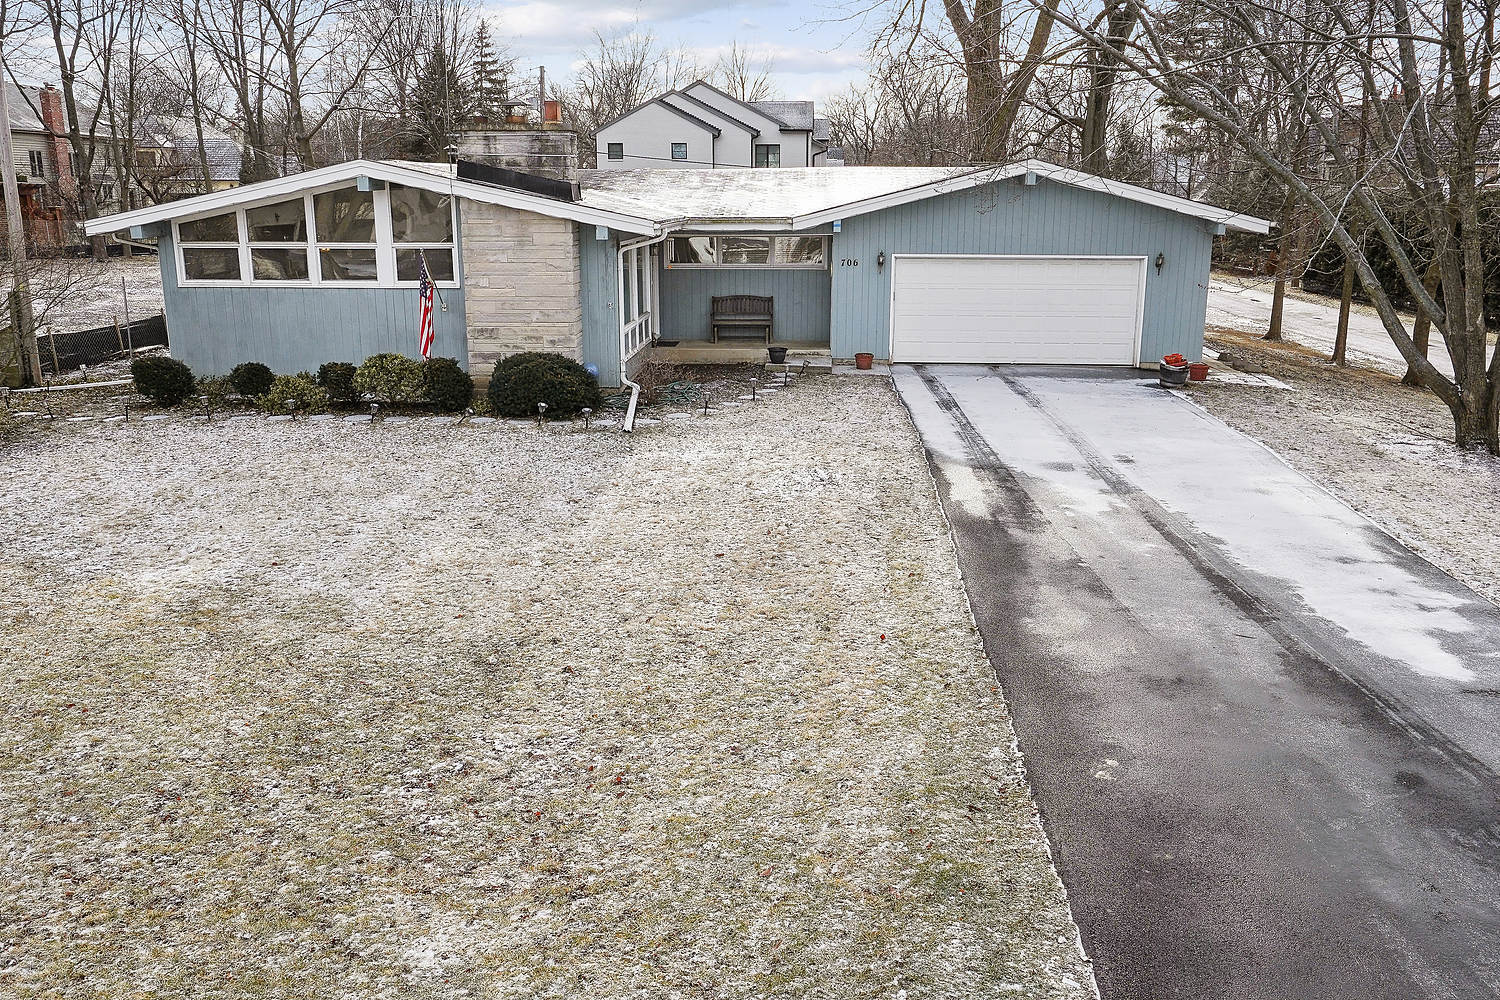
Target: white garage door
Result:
[[1017, 310]]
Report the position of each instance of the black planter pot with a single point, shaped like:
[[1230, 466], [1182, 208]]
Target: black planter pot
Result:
[[778, 355], [1171, 376]]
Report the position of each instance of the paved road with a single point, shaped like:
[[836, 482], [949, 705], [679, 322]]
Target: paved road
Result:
[[1313, 324], [1264, 736]]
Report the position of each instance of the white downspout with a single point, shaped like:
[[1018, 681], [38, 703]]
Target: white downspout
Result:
[[635, 389]]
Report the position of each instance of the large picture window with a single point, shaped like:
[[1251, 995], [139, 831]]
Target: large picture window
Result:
[[748, 251], [345, 221], [379, 236], [422, 226], [278, 241], [768, 155], [211, 248]]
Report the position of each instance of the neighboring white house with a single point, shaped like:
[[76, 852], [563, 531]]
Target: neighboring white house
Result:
[[701, 127]]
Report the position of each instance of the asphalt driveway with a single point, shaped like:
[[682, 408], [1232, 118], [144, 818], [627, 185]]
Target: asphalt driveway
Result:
[[1263, 735]]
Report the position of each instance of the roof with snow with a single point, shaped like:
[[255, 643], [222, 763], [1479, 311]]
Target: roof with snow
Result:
[[180, 136], [651, 202], [792, 114], [23, 105]]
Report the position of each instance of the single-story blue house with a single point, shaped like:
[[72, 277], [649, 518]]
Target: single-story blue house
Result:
[[1024, 263]]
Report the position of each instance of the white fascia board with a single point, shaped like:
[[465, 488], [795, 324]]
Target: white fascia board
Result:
[[1062, 175], [1172, 203], [269, 190]]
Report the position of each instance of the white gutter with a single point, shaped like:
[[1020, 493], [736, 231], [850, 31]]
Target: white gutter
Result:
[[635, 389]]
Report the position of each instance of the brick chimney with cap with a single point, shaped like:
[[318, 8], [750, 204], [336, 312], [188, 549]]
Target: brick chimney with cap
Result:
[[56, 124]]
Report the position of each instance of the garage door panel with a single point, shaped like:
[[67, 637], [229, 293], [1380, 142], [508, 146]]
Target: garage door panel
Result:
[[1038, 310]]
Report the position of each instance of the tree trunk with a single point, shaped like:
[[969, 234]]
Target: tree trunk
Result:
[[1346, 301], [1104, 69], [1421, 331], [1283, 265]]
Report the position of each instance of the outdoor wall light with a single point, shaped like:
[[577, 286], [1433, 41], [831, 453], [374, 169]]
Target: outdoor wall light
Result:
[[1161, 261], [880, 261]]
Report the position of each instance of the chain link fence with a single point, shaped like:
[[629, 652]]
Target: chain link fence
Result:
[[63, 352]]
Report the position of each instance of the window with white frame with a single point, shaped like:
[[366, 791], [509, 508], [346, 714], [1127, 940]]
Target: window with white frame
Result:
[[210, 248], [278, 241], [344, 220], [326, 238], [38, 167], [748, 251], [422, 227]]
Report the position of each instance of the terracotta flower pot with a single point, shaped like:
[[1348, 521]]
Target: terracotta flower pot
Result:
[[1198, 371], [864, 361]]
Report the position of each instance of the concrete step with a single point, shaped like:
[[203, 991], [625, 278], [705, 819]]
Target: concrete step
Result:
[[729, 352]]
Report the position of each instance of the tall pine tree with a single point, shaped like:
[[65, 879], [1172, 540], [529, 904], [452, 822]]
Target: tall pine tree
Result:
[[440, 104], [490, 84]]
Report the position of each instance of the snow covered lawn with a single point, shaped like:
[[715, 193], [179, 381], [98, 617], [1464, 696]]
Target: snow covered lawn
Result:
[[1383, 448], [82, 294], [340, 710]]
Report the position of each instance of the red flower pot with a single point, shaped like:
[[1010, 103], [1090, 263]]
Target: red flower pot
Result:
[[1198, 371], [864, 361]]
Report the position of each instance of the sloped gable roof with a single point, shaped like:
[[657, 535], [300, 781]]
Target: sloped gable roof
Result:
[[652, 201], [795, 115]]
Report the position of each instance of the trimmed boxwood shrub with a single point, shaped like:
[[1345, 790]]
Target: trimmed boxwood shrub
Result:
[[301, 389], [165, 381], [446, 385], [523, 380], [337, 377], [216, 390], [394, 378], [251, 379]]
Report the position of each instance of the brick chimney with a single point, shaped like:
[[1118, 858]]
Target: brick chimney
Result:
[[56, 124]]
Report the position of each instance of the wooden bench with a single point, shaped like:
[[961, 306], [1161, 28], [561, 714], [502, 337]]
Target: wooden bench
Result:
[[740, 310]]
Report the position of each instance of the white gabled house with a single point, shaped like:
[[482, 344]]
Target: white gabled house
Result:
[[700, 127]]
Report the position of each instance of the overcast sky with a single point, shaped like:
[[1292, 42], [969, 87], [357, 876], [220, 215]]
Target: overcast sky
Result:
[[813, 55]]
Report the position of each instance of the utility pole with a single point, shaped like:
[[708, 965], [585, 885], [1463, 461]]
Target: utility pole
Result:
[[31, 365], [541, 93]]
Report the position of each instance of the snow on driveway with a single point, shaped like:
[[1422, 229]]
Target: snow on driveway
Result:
[[1312, 323]]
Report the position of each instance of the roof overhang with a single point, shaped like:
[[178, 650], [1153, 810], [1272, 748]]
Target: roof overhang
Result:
[[1062, 175], [219, 201]]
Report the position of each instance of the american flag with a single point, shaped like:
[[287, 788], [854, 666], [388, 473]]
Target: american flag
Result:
[[424, 298]]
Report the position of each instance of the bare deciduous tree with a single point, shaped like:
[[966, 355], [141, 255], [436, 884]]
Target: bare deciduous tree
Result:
[[742, 75], [1436, 64]]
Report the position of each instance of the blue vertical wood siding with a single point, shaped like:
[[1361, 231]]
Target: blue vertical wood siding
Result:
[[601, 324], [801, 307], [1010, 217], [213, 329]]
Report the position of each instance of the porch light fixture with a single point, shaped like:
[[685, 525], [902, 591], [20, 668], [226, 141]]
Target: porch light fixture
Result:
[[1161, 261], [880, 261]]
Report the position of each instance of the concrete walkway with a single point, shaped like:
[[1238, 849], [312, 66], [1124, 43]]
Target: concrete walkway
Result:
[[1263, 735], [1313, 323]]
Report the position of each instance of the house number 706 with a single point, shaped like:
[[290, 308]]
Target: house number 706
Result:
[[849, 262]]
